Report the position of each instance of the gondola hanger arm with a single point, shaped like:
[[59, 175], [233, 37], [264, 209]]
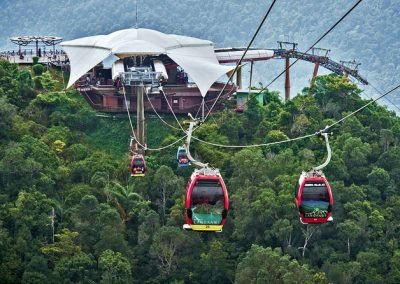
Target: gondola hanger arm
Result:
[[188, 138], [328, 148]]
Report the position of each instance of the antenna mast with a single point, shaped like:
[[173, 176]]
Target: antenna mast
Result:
[[136, 15]]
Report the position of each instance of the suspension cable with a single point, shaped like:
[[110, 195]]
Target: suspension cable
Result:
[[167, 146], [205, 104], [277, 142], [361, 108], [376, 90], [129, 115], [256, 145], [173, 113], [154, 110], [198, 111], [241, 58], [133, 131], [380, 92], [302, 137]]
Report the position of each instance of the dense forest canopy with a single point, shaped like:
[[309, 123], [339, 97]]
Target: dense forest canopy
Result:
[[71, 213], [369, 34]]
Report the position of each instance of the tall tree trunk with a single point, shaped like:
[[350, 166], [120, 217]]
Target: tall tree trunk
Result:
[[348, 246], [307, 233], [121, 211], [164, 204]]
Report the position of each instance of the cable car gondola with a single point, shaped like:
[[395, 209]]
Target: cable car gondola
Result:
[[181, 157], [206, 202], [313, 194], [138, 166], [314, 199]]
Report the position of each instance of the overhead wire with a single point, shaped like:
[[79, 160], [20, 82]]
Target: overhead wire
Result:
[[270, 143], [387, 99], [230, 78], [282, 141], [241, 58], [301, 137], [228, 146], [315, 43], [167, 146], [133, 131], [276, 142], [154, 110], [361, 108], [255, 145], [173, 113], [198, 111], [129, 115], [209, 110]]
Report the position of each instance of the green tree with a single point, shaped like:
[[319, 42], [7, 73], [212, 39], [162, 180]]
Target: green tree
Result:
[[115, 268], [79, 268], [265, 265], [248, 168], [84, 217], [7, 115], [371, 266], [387, 139], [342, 272], [349, 231], [394, 273], [379, 179], [64, 247], [47, 81], [25, 89], [8, 79], [167, 184], [112, 232], [37, 271], [32, 211], [168, 244], [355, 155], [216, 266], [336, 94], [37, 69], [126, 200]]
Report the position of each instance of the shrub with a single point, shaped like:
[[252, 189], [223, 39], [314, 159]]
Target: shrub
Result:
[[38, 82], [35, 60], [37, 69]]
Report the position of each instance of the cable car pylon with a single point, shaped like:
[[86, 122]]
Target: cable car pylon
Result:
[[313, 194]]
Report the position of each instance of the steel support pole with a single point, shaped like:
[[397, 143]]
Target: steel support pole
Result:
[[315, 73], [239, 78], [287, 80], [140, 132]]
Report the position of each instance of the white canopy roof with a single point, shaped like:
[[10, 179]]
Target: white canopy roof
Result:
[[194, 55]]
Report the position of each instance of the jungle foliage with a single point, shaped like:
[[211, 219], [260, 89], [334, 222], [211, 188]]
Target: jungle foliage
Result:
[[57, 156]]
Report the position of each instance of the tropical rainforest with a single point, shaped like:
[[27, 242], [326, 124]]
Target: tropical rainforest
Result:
[[71, 213]]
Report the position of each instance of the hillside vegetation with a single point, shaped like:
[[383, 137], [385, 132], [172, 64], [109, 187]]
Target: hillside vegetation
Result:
[[57, 156]]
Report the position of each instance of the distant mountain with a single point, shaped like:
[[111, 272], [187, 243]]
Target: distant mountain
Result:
[[370, 34]]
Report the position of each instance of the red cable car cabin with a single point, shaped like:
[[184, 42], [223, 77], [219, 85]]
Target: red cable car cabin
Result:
[[314, 200], [182, 158], [138, 166], [206, 203]]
